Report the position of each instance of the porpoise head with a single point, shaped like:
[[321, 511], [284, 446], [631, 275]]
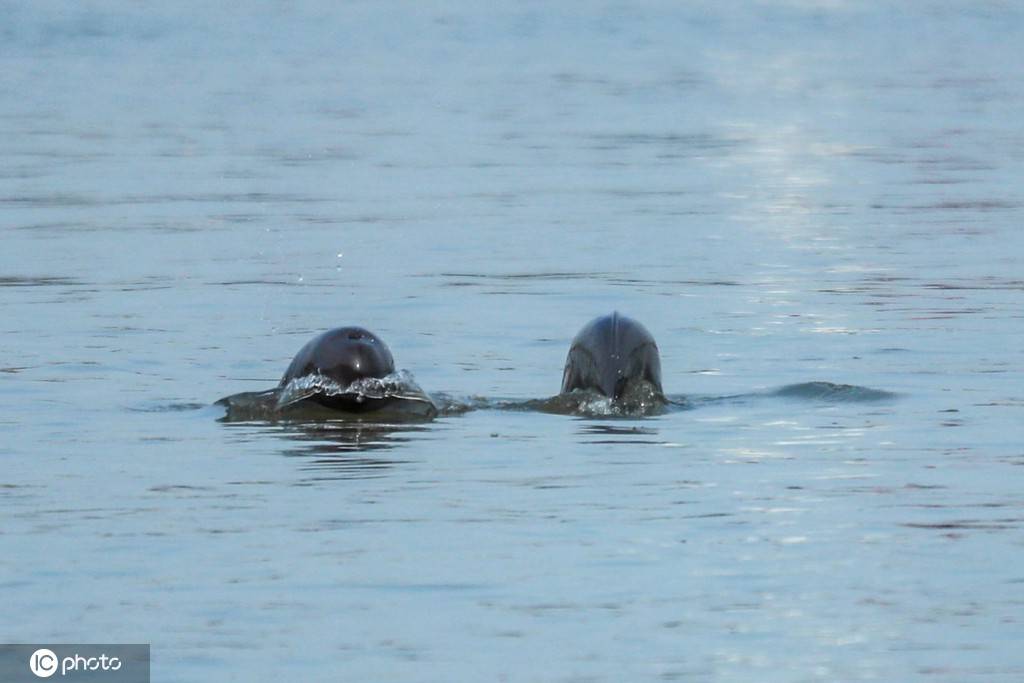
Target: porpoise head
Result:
[[343, 355], [609, 355]]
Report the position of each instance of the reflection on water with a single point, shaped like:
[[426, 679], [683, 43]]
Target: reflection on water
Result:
[[608, 434], [340, 449]]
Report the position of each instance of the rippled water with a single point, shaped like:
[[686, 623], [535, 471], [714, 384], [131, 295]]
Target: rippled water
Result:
[[783, 193]]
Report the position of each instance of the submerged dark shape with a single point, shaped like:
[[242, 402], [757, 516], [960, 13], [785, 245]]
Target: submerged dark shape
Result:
[[614, 356], [832, 393], [347, 370]]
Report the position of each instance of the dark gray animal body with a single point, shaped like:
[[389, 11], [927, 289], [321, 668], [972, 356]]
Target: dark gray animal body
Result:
[[344, 372], [611, 355], [345, 355]]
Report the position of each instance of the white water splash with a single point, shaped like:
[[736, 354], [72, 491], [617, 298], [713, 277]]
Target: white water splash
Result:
[[399, 384]]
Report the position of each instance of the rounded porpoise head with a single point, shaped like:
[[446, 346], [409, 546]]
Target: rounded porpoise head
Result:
[[344, 354], [610, 352]]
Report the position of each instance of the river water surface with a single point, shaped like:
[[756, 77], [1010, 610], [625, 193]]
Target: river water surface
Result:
[[782, 193]]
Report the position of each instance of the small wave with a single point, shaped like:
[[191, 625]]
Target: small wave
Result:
[[168, 408], [832, 393], [448, 405]]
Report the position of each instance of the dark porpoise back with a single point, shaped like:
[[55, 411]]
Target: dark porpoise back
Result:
[[345, 355], [609, 354]]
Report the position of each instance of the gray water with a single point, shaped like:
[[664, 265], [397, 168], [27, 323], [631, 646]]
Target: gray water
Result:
[[781, 192]]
